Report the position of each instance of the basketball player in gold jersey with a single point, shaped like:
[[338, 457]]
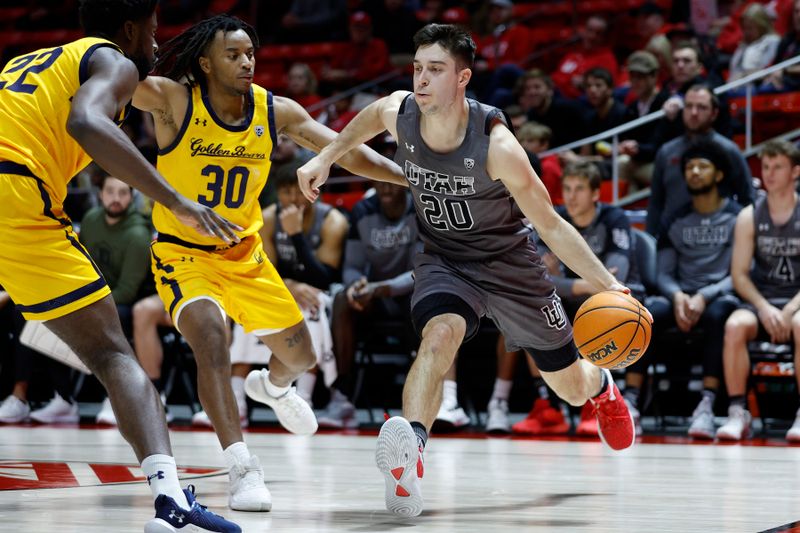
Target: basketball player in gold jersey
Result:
[[215, 131], [58, 108]]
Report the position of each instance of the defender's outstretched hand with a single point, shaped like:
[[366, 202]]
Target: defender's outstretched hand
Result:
[[205, 220], [312, 176]]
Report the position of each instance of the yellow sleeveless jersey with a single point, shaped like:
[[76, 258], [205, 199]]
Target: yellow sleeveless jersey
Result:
[[218, 165], [36, 93]]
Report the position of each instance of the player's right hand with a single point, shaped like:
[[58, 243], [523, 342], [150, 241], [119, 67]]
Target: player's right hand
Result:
[[312, 176], [205, 220]]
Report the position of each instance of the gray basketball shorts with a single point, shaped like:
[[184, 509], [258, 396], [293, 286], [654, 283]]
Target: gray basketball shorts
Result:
[[512, 289]]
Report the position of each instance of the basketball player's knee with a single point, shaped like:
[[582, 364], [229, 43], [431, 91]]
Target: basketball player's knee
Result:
[[735, 331], [213, 353], [795, 325], [444, 335]]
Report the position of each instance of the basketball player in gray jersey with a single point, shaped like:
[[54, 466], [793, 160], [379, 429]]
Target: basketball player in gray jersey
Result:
[[767, 236], [472, 184]]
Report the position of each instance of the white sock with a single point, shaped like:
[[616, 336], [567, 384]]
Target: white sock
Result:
[[236, 453], [162, 476], [502, 388], [305, 385], [450, 394], [237, 384], [274, 390], [543, 392]]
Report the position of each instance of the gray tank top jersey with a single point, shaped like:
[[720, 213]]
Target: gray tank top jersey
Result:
[[288, 266], [462, 213], [389, 245], [776, 268]]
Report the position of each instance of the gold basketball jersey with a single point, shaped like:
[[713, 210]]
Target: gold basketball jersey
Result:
[[36, 93], [218, 165]]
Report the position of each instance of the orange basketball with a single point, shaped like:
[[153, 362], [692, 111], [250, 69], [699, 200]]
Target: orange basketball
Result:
[[612, 329]]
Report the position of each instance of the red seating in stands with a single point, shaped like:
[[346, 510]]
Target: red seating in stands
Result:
[[773, 114]]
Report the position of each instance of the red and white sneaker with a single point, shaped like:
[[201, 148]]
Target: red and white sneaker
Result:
[[614, 420], [399, 458]]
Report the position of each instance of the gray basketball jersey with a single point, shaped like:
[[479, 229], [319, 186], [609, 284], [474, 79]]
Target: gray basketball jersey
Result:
[[288, 265], [776, 266], [462, 213]]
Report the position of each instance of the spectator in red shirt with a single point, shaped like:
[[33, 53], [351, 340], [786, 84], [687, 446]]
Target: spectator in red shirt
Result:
[[302, 87], [507, 42], [365, 57], [535, 139], [593, 52]]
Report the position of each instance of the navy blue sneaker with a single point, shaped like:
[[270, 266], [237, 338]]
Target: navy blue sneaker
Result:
[[171, 518]]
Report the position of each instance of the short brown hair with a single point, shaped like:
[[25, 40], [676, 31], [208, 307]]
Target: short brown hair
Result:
[[586, 170], [533, 131], [781, 147]]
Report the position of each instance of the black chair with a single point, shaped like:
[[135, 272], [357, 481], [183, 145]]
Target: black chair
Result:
[[386, 343]]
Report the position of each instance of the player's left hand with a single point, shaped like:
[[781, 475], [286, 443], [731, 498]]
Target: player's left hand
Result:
[[291, 218], [312, 176], [205, 220]]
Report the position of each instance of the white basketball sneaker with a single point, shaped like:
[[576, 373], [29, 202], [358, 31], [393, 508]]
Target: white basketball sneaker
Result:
[[57, 411], [399, 459], [14, 410], [248, 492], [293, 412], [737, 427]]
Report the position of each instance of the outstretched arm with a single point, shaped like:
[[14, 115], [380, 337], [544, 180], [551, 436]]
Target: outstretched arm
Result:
[[110, 85], [507, 162], [295, 122], [379, 116]]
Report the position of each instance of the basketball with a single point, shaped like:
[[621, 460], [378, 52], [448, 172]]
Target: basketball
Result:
[[612, 329]]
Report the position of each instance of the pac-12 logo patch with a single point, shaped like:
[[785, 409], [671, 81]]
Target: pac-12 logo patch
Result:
[[469, 163], [259, 130]]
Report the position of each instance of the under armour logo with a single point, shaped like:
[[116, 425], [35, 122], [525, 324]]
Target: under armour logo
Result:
[[469, 163], [157, 475], [554, 314], [763, 227], [197, 122], [409, 147], [179, 517]]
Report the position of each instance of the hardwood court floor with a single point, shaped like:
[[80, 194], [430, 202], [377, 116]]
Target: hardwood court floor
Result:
[[329, 482]]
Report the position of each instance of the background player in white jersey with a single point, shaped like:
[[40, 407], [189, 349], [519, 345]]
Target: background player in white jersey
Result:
[[215, 130], [472, 184]]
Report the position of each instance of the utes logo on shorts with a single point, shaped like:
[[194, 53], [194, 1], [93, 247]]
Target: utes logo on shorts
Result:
[[554, 314]]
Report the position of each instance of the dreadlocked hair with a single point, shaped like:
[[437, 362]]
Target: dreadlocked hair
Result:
[[178, 57]]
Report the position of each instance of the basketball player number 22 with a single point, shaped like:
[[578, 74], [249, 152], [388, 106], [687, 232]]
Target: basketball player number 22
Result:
[[233, 195], [19, 85]]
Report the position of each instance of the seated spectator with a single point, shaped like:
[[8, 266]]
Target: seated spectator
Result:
[[534, 93], [593, 52], [687, 71], [535, 139], [758, 46], [378, 261], [118, 239], [640, 144], [302, 87], [668, 192], [605, 112], [694, 257], [787, 79], [661, 48], [364, 58], [506, 42], [607, 231], [764, 266]]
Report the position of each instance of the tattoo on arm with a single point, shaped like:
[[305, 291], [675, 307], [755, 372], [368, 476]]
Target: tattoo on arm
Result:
[[295, 339], [309, 140]]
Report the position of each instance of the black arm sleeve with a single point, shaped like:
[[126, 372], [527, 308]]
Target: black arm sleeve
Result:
[[316, 273]]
